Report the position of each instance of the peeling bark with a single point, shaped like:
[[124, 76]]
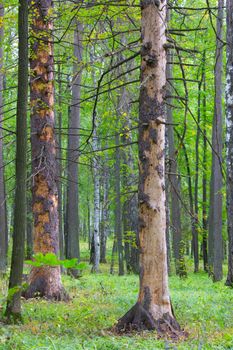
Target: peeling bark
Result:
[[44, 166], [153, 307]]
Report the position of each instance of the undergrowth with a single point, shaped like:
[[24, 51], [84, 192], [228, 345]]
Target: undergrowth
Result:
[[203, 308]]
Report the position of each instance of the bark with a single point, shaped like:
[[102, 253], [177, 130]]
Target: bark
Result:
[[13, 310], [3, 213], [43, 281], [174, 187], [73, 250], [153, 309], [229, 139], [215, 242]]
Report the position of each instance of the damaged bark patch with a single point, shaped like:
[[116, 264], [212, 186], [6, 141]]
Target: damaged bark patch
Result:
[[159, 169], [150, 107], [145, 3], [153, 134]]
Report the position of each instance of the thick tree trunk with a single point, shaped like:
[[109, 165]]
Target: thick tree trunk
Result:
[[229, 139], [153, 309], [215, 242], [44, 281], [13, 310], [72, 207], [3, 218]]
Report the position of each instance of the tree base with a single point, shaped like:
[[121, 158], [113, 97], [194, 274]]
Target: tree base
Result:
[[45, 282], [33, 292], [139, 319]]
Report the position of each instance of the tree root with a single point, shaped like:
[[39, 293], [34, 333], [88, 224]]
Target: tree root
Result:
[[139, 319]]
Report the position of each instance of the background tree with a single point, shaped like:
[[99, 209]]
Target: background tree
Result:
[[13, 310]]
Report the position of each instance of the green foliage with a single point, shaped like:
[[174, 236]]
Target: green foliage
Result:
[[51, 259]]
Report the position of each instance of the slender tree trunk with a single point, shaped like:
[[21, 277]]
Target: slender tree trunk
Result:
[[175, 192], [3, 217], [29, 244], [215, 242], [13, 310], [105, 216], [153, 309], [204, 179], [196, 182], [43, 281], [118, 212], [72, 207], [96, 233], [59, 156], [229, 139]]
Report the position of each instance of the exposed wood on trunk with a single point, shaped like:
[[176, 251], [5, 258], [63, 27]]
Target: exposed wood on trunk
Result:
[[153, 309], [215, 242], [229, 139], [44, 281]]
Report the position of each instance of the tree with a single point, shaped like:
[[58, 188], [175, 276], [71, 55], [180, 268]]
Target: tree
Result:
[[72, 206], [44, 281], [215, 242], [229, 139], [13, 310], [153, 309], [174, 183], [3, 216]]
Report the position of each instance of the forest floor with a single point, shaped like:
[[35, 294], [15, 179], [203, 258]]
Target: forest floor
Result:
[[204, 309]]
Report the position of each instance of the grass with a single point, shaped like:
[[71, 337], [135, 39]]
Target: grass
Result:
[[204, 309]]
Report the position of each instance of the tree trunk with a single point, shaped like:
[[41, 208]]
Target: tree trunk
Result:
[[3, 217], [105, 215], [29, 244], [215, 242], [153, 309], [96, 233], [13, 310], [229, 139], [59, 156], [204, 180], [175, 192], [118, 212], [43, 281], [72, 207]]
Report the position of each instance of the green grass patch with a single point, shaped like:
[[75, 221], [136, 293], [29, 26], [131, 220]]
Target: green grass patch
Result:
[[204, 309]]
